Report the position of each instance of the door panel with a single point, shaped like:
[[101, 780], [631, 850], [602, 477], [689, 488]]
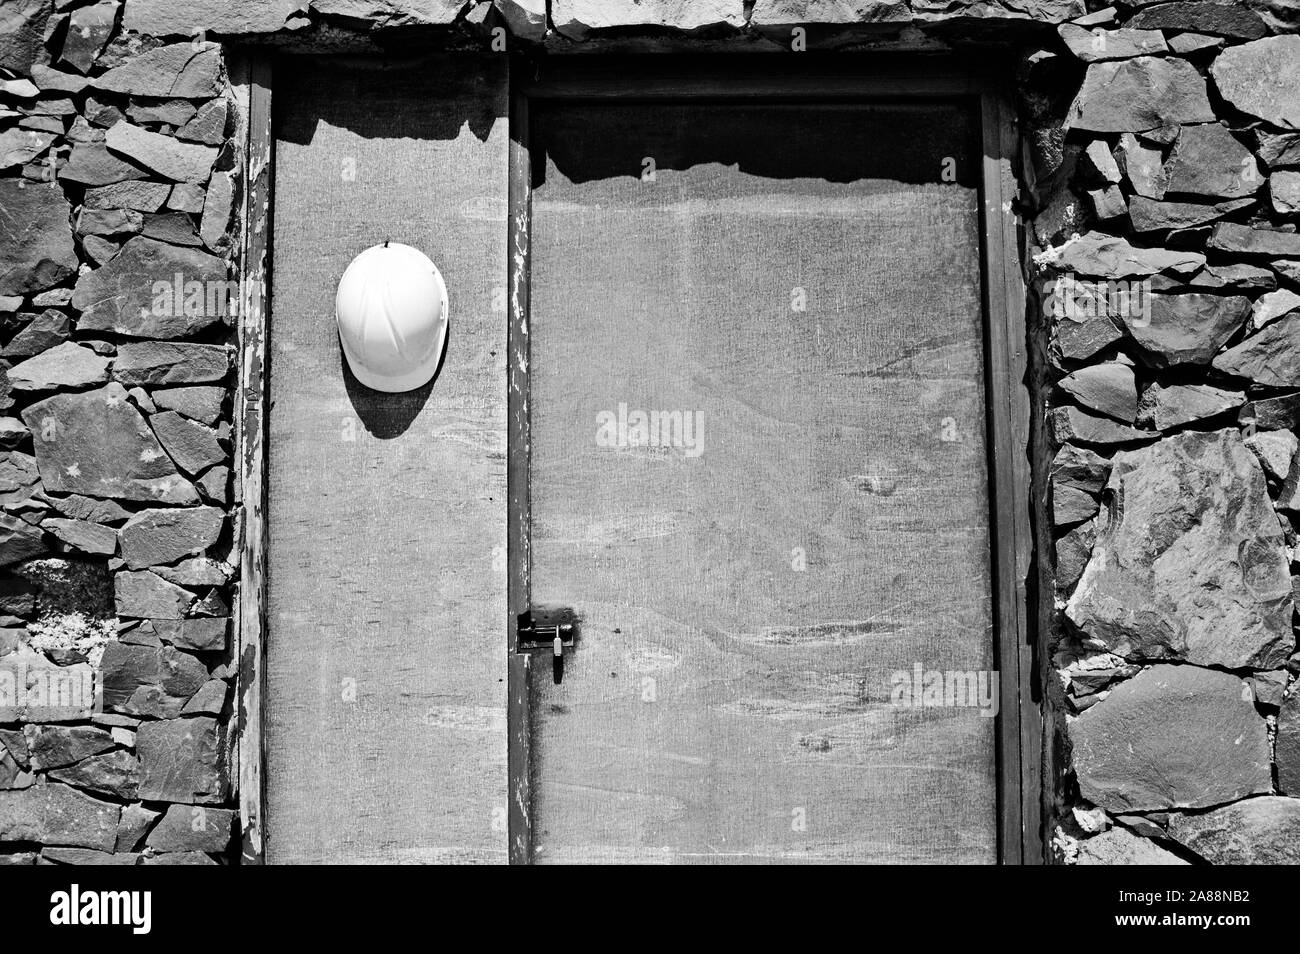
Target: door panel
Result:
[[797, 289], [385, 704]]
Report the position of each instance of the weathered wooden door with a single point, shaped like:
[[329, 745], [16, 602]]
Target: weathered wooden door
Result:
[[385, 712], [759, 478]]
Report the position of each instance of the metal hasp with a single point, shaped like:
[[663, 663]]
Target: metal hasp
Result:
[[535, 635]]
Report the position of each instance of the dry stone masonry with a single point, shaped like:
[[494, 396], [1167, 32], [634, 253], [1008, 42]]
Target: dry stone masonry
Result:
[[117, 184], [1161, 198], [1165, 149]]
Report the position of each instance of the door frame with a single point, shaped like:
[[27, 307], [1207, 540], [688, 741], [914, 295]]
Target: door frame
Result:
[[1017, 491], [813, 79]]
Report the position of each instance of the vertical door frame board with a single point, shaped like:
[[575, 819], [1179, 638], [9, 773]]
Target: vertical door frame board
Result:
[[519, 452], [251, 73], [1012, 510], [1020, 730]]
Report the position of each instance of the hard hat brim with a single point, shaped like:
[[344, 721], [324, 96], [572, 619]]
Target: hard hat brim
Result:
[[417, 377]]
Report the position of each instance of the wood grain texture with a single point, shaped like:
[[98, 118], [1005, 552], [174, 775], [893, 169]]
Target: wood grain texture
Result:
[[252, 82], [519, 714], [386, 703], [1031, 449], [745, 607]]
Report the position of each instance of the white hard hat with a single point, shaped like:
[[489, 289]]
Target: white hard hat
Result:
[[391, 308]]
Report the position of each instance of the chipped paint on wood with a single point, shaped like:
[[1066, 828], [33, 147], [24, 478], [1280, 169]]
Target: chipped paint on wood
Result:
[[519, 531], [254, 110]]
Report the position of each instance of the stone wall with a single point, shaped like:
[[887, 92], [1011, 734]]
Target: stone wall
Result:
[[1165, 256], [1162, 186], [117, 184]]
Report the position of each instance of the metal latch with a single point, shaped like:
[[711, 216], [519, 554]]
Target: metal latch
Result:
[[536, 634]]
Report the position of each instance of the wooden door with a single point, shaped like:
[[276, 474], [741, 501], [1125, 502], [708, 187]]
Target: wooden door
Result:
[[385, 705], [759, 478]]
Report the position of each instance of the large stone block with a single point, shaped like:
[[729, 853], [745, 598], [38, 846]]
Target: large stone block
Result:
[[178, 71], [577, 18], [1140, 94], [221, 17], [153, 290], [1171, 737], [193, 828], [1119, 846], [36, 250], [1257, 831], [165, 362], [181, 761], [22, 30], [165, 155], [165, 535], [97, 443], [145, 595], [1212, 17], [1097, 255], [1287, 746], [383, 14], [1271, 357], [1186, 329], [1261, 79], [1190, 562], [55, 814], [1208, 161]]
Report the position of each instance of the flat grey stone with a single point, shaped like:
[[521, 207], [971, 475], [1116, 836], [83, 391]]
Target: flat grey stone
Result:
[[1142, 165], [177, 71], [1171, 737], [138, 293], [92, 164], [1257, 831], [1190, 563], [1167, 407], [144, 595], [1187, 329], [54, 746], [36, 247], [1270, 357], [1107, 388], [578, 18], [1151, 215], [1244, 240], [165, 155], [96, 443], [22, 33], [1119, 846], [58, 815], [1226, 19], [43, 332], [1260, 78], [115, 773], [193, 828], [83, 535], [182, 761], [1074, 425], [163, 362], [134, 194], [201, 404], [1208, 160], [165, 535], [64, 366], [1094, 45], [1137, 94], [88, 31], [1098, 255]]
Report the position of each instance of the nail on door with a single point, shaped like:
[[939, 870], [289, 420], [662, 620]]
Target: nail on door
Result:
[[759, 476]]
